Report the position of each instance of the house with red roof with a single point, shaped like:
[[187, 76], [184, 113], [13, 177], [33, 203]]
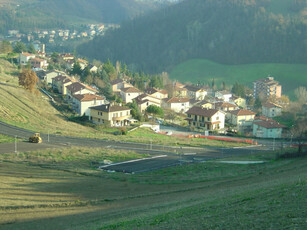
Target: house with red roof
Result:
[[267, 129], [82, 102], [129, 93], [208, 119], [243, 119]]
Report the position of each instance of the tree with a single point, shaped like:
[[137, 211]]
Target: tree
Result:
[[301, 94], [300, 132], [31, 49], [28, 79], [19, 47], [258, 103], [5, 47], [76, 69], [135, 112], [153, 109], [238, 89]]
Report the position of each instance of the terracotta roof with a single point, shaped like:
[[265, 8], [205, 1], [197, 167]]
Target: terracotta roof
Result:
[[263, 118], [87, 97], [27, 54], [177, 100], [242, 112], [77, 86], [178, 84], [271, 105], [192, 88], [130, 90], [108, 108], [224, 104], [37, 59], [155, 90], [202, 111], [116, 81], [269, 124]]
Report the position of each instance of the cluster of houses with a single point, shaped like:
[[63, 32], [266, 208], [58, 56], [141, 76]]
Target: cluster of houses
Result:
[[51, 36], [205, 108]]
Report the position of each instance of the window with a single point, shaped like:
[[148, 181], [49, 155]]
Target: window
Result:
[[217, 118]]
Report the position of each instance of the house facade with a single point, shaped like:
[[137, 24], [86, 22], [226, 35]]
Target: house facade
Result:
[[195, 92], [239, 101], [243, 119], [128, 94], [82, 103], [145, 100], [119, 84], [267, 87], [225, 106], [208, 119], [176, 104], [157, 93], [78, 88], [271, 110], [267, 129], [39, 63], [25, 57], [223, 95], [114, 115], [60, 83]]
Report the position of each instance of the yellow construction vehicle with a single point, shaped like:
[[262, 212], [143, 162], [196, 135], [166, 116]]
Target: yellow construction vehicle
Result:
[[35, 138]]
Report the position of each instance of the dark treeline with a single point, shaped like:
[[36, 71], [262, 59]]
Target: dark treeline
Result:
[[47, 14], [225, 31]]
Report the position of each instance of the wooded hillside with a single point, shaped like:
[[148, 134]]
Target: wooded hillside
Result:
[[225, 31]]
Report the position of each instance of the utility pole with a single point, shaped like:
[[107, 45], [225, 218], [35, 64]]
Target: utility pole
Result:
[[274, 144], [48, 135], [15, 143]]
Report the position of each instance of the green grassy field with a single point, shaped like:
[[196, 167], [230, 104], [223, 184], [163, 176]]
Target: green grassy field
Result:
[[38, 192], [291, 76], [6, 139]]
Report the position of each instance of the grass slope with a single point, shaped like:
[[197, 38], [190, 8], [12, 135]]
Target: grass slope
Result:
[[199, 196], [290, 76]]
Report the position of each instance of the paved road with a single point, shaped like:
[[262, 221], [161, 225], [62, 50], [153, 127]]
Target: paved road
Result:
[[173, 155]]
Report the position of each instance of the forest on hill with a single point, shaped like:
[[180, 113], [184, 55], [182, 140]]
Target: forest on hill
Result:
[[224, 31], [44, 14]]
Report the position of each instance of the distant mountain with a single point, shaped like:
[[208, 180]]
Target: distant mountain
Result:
[[30, 14], [225, 31]]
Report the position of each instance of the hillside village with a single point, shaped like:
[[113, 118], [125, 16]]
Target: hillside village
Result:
[[200, 108]]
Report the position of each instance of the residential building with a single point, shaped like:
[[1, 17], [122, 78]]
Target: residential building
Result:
[[177, 104], [239, 101], [82, 103], [49, 75], [60, 83], [145, 100], [267, 87], [119, 84], [208, 119], [223, 95], [114, 115], [128, 94], [39, 63], [24, 58], [271, 110], [195, 92], [79, 88], [243, 119], [206, 105], [225, 106], [158, 93], [267, 129]]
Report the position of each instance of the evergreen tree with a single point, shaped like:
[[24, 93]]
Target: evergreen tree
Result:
[[19, 47]]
